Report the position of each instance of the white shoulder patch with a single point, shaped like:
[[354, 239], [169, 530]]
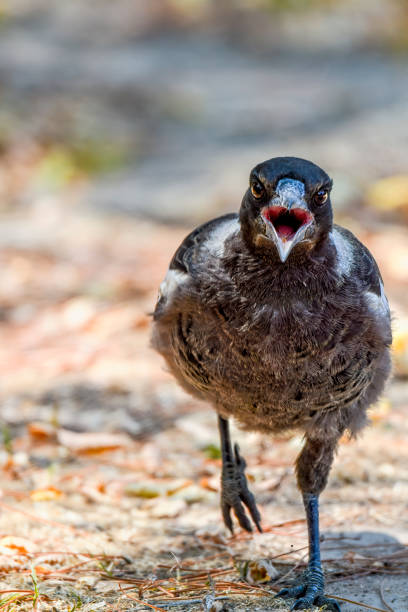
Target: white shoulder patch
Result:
[[344, 252], [172, 280], [378, 303], [223, 231]]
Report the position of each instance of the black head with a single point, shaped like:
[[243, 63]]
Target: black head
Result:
[[287, 207]]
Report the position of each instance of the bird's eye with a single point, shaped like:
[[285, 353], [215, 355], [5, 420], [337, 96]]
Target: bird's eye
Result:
[[257, 190], [321, 197]]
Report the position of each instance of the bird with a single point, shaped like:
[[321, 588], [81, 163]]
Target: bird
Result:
[[278, 318]]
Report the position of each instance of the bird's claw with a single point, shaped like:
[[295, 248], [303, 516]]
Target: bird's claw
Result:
[[327, 603], [292, 592], [305, 603], [309, 593], [235, 494]]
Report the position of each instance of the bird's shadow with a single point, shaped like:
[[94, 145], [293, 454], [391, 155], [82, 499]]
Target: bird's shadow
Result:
[[337, 545], [366, 568]]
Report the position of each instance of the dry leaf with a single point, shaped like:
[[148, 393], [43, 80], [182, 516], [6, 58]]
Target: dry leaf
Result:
[[258, 571], [144, 491], [22, 545], [47, 494], [211, 484], [41, 431], [92, 442], [179, 487]]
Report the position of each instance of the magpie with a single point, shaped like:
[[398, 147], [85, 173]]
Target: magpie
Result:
[[278, 318]]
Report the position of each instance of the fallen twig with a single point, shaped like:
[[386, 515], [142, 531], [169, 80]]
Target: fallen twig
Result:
[[386, 604]]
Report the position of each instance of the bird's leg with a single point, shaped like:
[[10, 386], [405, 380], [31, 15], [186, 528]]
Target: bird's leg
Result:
[[313, 466], [234, 487]]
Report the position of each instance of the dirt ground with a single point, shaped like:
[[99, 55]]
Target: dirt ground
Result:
[[110, 473]]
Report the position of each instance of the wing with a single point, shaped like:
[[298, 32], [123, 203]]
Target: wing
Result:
[[207, 239], [187, 254], [355, 259]]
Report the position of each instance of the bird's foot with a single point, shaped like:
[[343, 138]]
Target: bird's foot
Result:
[[235, 494], [310, 592]]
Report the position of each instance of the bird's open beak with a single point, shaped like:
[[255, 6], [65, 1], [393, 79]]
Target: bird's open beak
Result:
[[287, 217]]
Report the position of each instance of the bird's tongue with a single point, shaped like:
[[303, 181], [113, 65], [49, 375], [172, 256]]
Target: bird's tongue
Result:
[[285, 231]]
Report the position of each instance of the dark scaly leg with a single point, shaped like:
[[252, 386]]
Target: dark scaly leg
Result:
[[313, 466], [234, 487]]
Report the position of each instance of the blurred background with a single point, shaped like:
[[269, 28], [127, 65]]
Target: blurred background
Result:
[[122, 126]]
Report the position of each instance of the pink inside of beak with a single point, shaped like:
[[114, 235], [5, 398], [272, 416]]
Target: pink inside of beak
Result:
[[287, 222]]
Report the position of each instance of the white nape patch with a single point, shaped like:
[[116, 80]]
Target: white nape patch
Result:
[[171, 282], [344, 252], [216, 240], [378, 303]]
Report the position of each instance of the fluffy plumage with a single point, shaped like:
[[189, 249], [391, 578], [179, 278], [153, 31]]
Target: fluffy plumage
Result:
[[278, 318]]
